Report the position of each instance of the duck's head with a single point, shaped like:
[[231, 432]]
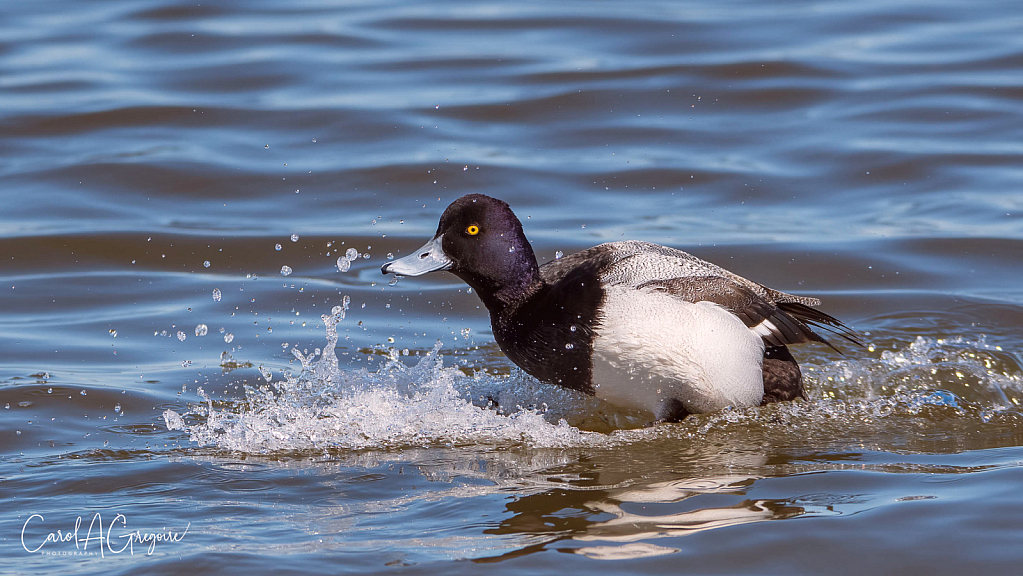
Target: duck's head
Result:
[[480, 240]]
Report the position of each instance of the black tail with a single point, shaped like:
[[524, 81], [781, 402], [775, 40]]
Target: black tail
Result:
[[818, 319]]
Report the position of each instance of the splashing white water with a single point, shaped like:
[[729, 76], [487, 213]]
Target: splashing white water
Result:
[[427, 404], [325, 407]]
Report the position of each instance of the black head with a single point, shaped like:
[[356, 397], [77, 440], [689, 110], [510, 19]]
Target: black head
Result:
[[480, 240]]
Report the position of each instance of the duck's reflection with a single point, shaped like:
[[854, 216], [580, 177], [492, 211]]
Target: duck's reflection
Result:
[[613, 524]]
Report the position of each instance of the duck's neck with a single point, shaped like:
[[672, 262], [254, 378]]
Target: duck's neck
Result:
[[504, 295]]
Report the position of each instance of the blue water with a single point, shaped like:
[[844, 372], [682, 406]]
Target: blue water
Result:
[[868, 154]]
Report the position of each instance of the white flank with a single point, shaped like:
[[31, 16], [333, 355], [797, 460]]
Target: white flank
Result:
[[651, 346]]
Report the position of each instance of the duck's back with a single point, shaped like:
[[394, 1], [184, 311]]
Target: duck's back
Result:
[[636, 263]]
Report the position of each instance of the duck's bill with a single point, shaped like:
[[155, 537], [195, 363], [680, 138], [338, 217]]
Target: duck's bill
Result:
[[429, 258]]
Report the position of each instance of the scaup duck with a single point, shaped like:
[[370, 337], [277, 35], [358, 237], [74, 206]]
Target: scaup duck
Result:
[[636, 324]]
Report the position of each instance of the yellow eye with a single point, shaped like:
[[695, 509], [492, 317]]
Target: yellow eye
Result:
[[473, 230]]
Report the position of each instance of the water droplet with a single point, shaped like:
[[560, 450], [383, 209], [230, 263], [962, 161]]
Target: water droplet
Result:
[[558, 255], [267, 375], [572, 328], [83, 393], [351, 254], [186, 363], [216, 294], [206, 264], [182, 336], [344, 264], [228, 337], [49, 391], [465, 333], [390, 256], [569, 346], [511, 248], [277, 247], [393, 281], [201, 330], [113, 333], [294, 237], [117, 407], [285, 270]]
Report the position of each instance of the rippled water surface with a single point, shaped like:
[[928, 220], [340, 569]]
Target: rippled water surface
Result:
[[191, 191]]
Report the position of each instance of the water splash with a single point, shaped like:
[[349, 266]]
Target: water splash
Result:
[[326, 407], [923, 385]]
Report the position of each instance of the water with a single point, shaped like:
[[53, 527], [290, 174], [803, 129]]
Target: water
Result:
[[164, 165]]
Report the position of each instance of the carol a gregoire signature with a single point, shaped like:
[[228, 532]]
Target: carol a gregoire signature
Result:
[[114, 538]]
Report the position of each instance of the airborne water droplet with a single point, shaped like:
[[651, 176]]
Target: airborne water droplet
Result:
[[216, 294], [344, 264], [182, 336], [558, 255], [117, 407], [569, 346], [277, 247], [228, 337], [206, 264], [294, 237], [201, 330], [285, 270], [351, 254]]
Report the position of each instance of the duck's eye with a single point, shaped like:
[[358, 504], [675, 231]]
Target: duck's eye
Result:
[[472, 230]]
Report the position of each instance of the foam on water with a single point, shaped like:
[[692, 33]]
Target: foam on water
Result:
[[325, 407]]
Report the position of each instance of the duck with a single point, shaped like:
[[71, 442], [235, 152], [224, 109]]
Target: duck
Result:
[[639, 325]]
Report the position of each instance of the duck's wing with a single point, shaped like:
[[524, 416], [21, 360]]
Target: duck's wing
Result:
[[779, 318]]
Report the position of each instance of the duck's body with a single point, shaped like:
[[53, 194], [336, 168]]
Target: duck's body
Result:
[[637, 324]]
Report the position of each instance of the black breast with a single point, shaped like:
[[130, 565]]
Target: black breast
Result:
[[550, 334]]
